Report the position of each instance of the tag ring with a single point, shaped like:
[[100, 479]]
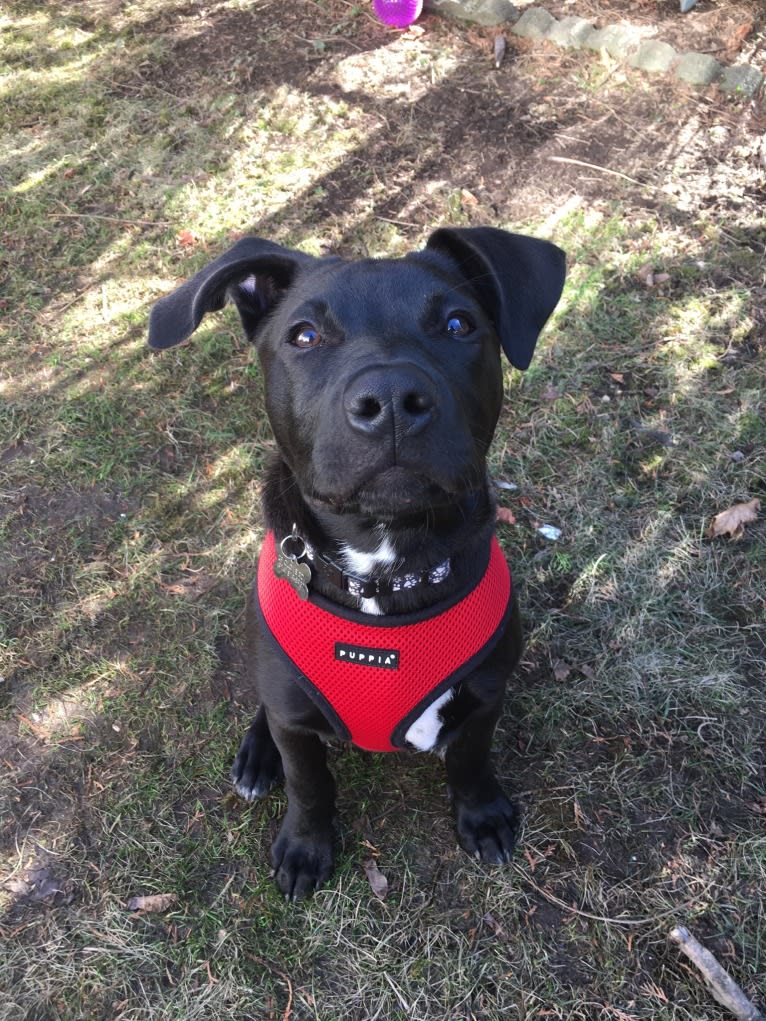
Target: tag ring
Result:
[[292, 538]]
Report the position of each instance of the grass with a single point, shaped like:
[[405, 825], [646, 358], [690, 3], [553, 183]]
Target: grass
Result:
[[143, 138]]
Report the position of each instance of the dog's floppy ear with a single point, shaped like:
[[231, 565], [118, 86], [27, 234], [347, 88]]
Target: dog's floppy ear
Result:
[[253, 274], [517, 279]]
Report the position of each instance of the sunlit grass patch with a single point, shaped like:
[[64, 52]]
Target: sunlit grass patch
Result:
[[139, 141]]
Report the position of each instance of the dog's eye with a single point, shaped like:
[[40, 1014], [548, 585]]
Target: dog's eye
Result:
[[306, 336], [459, 325]]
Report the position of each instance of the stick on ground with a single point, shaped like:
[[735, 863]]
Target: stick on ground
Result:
[[723, 988]]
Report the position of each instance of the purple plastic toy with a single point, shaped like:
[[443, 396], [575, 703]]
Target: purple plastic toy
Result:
[[399, 13]]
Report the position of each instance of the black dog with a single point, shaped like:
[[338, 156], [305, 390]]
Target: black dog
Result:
[[383, 611]]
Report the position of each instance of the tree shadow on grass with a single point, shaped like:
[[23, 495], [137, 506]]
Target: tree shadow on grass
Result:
[[141, 759]]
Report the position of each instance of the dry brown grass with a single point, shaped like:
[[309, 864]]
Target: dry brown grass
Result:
[[140, 138]]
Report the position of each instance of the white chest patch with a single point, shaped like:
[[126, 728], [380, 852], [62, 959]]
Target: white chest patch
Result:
[[424, 732], [363, 564]]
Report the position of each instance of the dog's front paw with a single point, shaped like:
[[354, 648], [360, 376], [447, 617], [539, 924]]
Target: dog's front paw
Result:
[[487, 829], [301, 863], [258, 765]]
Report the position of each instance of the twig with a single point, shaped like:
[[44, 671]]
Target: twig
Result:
[[285, 978], [595, 166], [722, 987], [111, 219], [399, 223]]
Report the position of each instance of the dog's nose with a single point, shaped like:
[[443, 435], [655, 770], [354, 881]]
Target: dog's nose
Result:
[[379, 400]]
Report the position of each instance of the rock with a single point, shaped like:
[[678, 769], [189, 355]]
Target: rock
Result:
[[698, 69], [654, 56], [619, 41], [570, 33], [742, 79], [534, 23], [483, 12]]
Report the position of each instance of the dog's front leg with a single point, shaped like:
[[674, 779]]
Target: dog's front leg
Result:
[[302, 854], [486, 820]]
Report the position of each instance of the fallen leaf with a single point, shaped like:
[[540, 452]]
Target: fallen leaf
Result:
[[468, 197], [738, 36], [732, 521], [494, 925], [186, 239], [37, 884], [581, 820], [646, 274], [191, 586], [561, 669], [506, 516], [153, 903], [378, 882]]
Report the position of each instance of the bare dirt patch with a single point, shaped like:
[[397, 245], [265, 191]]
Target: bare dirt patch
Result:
[[146, 137]]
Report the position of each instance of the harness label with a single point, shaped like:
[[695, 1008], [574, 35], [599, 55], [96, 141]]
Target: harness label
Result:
[[363, 656]]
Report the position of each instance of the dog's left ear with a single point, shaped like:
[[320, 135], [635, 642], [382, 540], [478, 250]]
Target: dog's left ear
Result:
[[517, 279]]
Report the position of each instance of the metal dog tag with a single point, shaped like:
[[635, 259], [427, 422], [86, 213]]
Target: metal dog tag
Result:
[[289, 569]]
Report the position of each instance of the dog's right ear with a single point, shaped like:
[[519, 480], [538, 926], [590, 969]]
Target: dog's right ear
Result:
[[254, 274]]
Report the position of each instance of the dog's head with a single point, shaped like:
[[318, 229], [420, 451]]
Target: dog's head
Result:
[[382, 376]]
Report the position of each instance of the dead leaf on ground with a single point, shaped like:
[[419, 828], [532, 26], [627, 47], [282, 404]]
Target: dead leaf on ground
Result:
[[376, 879], [491, 922], [155, 903], [732, 521], [506, 516], [186, 239], [649, 277], [191, 586], [39, 883], [738, 36], [532, 860], [561, 669]]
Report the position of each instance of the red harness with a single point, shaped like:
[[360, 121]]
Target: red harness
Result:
[[373, 678]]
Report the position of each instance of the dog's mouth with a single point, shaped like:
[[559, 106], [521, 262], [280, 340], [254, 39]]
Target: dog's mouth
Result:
[[393, 493]]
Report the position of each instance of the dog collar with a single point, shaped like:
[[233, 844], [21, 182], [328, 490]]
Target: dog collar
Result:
[[296, 557], [368, 588]]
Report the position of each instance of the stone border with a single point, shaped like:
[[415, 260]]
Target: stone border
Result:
[[622, 42]]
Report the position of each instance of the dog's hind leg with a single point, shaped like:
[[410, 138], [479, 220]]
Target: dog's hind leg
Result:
[[258, 765]]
